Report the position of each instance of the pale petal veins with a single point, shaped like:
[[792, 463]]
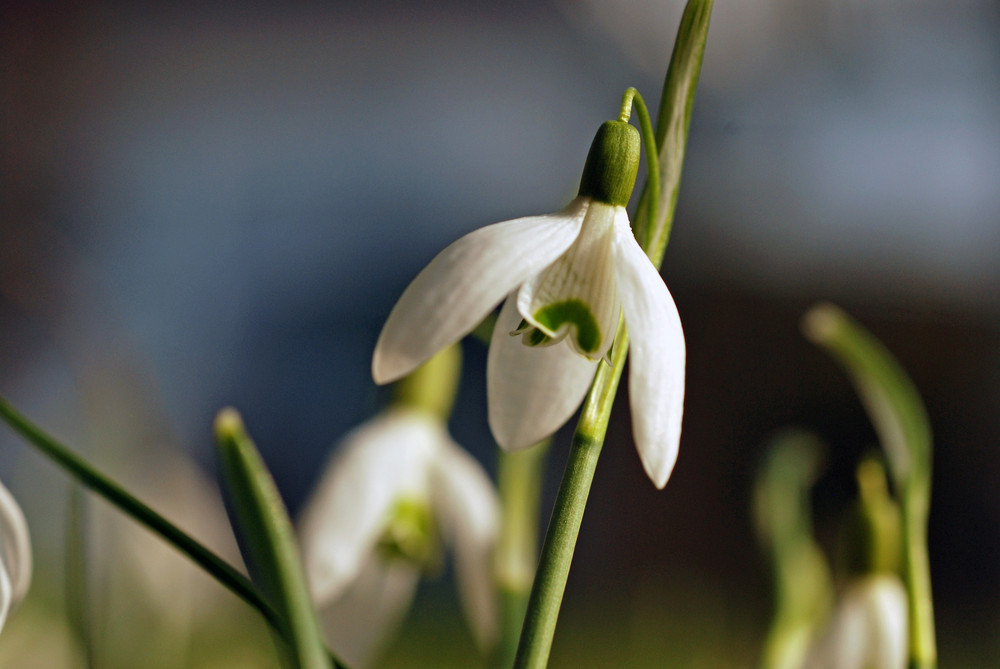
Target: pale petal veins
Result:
[[531, 391], [583, 278], [657, 352], [465, 282], [15, 554]]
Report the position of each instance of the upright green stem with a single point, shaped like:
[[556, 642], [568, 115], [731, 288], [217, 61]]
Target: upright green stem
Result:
[[77, 583], [520, 485], [567, 514], [564, 526], [803, 589]]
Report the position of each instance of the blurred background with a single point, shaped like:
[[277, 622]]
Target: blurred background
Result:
[[215, 203]]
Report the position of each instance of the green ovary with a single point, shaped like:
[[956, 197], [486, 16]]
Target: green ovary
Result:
[[573, 312]]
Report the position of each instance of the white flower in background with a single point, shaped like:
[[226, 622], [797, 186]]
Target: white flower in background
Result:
[[566, 278], [395, 489], [15, 555], [868, 630]]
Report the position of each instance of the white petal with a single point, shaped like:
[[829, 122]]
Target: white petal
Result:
[[15, 550], [656, 376], [378, 463], [579, 289], [531, 391], [6, 598], [359, 622], [465, 282], [868, 629], [467, 507]]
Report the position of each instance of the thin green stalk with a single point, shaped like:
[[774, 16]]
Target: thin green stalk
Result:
[[652, 192], [104, 486], [567, 514], [674, 120], [77, 581], [520, 485], [803, 590]]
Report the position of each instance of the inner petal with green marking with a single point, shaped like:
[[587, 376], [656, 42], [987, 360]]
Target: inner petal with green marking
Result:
[[410, 534], [554, 318], [576, 297]]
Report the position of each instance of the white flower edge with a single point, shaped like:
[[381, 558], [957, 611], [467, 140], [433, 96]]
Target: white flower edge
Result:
[[869, 628], [343, 520], [465, 282], [468, 509], [365, 614], [15, 555], [531, 391], [657, 356]]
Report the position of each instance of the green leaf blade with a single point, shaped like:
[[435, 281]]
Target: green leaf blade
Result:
[[269, 544]]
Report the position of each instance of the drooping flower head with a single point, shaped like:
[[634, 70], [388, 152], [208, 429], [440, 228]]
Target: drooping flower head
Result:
[[396, 490], [565, 279], [868, 630]]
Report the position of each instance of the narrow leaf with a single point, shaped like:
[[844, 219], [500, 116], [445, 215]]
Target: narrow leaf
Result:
[[268, 541]]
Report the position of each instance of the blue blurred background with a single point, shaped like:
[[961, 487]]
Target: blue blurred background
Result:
[[216, 203]]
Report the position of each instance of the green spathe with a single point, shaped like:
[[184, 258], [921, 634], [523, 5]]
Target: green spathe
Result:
[[612, 164], [571, 312]]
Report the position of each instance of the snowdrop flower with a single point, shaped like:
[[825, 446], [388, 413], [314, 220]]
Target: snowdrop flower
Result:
[[396, 488], [566, 278], [869, 628], [15, 555]]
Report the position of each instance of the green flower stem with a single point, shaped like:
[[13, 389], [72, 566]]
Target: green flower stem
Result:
[[269, 542], [803, 590], [567, 514], [101, 484], [77, 562], [564, 526], [520, 487], [432, 386], [895, 409]]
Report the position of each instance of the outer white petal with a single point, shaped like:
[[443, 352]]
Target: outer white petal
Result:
[[467, 507], [869, 628], [656, 376], [6, 599], [15, 554], [465, 282], [378, 463], [531, 391], [366, 614]]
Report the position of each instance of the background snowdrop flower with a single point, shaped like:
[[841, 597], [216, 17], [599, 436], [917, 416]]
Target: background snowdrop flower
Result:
[[566, 278], [15, 555], [394, 491], [868, 630]]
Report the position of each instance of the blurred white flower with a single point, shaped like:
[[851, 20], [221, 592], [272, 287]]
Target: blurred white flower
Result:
[[15, 555], [868, 630], [395, 489], [566, 277]]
